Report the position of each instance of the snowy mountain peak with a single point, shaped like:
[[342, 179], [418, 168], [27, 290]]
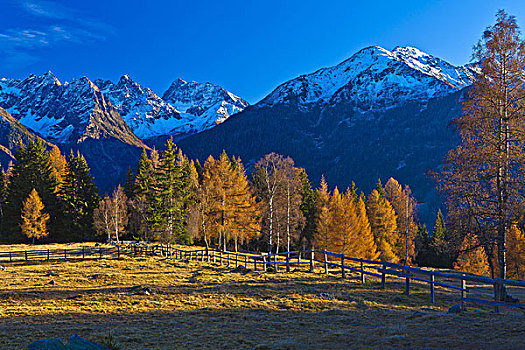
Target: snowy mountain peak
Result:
[[210, 102], [376, 78]]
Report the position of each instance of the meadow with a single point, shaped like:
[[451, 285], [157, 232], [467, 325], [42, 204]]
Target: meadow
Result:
[[158, 303]]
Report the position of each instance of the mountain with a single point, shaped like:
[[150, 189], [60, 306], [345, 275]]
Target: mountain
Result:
[[11, 133], [111, 123], [204, 104], [378, 114], [75, 116], [184, 109]]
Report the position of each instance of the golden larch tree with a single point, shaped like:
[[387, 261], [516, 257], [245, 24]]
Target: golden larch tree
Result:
[[321, 237], [472, 257], [516, 253], [58, 166], [382, 219], [34, 219], [365, 245]]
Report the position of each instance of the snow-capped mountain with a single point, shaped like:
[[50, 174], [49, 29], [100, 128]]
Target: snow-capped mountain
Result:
[[378, 114], [374, 79], [143, 110], [63, 113], [204, 104]]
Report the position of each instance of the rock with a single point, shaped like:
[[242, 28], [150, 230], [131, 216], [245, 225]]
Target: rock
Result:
[[78, 343], [74, 343], [456, 309], [2, 268], [52, 282], [47, 344]]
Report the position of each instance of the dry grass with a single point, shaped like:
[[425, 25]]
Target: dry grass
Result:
[[200, 305]]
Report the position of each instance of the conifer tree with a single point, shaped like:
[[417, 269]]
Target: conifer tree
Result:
[[129, 187], [472, 257], [516, 253], [31, 170], [80, 195], [139, 218], [308, 203], [321, 238], [365, 246], [483, 177], [58, 165], [34, 218], [383, 224], [439, 232], [404, 205]]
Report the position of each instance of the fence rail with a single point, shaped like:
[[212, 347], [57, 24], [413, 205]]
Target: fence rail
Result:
[[297, 259], [364, 267]]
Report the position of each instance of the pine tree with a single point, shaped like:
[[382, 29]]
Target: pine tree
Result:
[[129, 187], [80, 195], [383, 224], [31, 170], [142, 188], [439, 232], [308, 203], [34, 218]]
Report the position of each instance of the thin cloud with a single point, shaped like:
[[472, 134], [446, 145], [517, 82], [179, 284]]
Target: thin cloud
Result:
[[48, 9], [59, 25]]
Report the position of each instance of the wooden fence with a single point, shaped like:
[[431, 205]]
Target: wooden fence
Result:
[[448, 282], [330, 262]]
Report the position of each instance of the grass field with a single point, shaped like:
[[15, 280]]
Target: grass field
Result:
[[154, 303]]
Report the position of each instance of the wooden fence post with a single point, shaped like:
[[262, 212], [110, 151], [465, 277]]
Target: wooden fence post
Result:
[[264, 264], [246, 261], [254, 264], [191, 255], [312, 257], [82, 253], [214, 258], [299, 261], [287, 262], [220, 257], [100, 252], [362, 273], [463, 294], [65, 254], [343, 274], [407, 284], [11, 257], [25, 254], [202, 256], [325, 263], [118, 252], [47, 254], [228, 258], [383, 276], [236, 260], [496, 296], [432, 292]]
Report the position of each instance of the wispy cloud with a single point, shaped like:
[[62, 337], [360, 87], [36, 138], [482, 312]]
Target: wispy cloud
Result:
[[57, 24]]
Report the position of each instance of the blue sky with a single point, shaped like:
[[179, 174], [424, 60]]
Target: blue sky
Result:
[[248, 47]]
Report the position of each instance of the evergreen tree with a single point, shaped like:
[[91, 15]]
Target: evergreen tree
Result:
[[308, 204], [129, 186], [34, 218], [172, 194], [31, 170], [142, 188], [439, 232], [80, 195]]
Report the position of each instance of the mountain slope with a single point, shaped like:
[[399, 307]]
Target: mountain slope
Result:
[[378, 114], [75, 116]]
